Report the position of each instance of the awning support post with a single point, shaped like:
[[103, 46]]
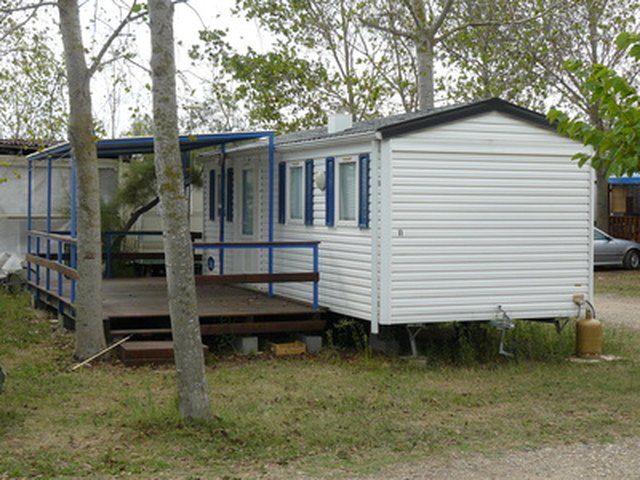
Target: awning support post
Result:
[[223, 166], [271, 166]]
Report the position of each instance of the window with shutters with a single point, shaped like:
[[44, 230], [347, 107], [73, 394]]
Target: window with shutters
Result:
[[347, 191], [296, 192]]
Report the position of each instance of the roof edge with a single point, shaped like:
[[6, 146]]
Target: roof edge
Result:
[[464, 111]]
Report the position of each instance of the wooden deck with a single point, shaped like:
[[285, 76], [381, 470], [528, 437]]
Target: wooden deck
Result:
[[147, 297], [139, 306]]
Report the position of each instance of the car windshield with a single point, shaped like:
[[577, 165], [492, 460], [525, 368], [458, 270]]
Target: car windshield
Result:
[[598, 235]]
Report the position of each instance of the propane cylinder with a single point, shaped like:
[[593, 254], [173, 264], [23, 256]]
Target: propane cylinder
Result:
[[588, 336]]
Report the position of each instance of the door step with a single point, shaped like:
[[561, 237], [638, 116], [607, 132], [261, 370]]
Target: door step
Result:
[[150, 352]]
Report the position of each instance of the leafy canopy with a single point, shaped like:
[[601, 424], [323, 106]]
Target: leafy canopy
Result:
[[615, 141]]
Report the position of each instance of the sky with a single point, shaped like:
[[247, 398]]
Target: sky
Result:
[[188, 21]]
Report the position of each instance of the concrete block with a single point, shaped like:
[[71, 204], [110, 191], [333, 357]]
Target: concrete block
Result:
[[312, 342], [246, 345]]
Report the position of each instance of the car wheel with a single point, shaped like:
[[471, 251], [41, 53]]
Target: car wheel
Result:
[[632, 260]]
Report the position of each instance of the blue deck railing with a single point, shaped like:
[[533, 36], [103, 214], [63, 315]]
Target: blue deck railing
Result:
[[271, 247], [270, 278], [62, 263]]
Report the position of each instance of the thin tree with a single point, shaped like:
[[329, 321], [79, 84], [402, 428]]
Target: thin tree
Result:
[[428, 24], [185, 325], [89, 331], [90, 337]]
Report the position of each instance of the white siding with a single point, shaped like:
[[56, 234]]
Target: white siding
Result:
[[484, 212], [345, 250]]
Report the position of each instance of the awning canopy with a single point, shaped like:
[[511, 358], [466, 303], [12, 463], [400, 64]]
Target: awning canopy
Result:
[[114, 148], [633, 180]]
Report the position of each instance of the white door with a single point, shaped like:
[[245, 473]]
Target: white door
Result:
[[248, 224]]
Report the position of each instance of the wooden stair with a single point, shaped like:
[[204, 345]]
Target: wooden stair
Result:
[[134, 353]]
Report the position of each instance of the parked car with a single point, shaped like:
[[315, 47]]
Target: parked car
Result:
[[615, 251]]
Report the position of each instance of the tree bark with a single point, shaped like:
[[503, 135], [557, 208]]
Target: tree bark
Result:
[[185, 325], [424, 58], [90, 337], [602, 200]]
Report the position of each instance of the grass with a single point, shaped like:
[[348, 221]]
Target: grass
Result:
[[338, 412], [624, 283]]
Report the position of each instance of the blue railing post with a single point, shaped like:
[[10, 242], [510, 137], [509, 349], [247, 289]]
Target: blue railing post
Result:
[[37, 268], [316, 269], [271, 166], [60, 277], [29, 214], [73, 249], [49, 219]]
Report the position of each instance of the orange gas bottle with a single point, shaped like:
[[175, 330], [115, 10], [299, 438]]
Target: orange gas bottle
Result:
[[588, 336]]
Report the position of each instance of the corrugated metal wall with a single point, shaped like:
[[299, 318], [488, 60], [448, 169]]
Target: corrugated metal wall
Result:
[[486, 211]]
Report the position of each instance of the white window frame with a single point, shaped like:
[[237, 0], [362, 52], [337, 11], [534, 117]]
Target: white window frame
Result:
[[291, 166], [255, 198], [336, 201]]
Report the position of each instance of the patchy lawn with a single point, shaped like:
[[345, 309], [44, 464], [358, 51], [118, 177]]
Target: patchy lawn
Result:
[[338, 413], [624, 283]]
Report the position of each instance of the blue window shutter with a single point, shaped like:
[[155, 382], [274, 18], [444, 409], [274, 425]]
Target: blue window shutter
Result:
[[212, 195], [363, 200], [229, 205], [308, 192], [330, 191], [282, 188]]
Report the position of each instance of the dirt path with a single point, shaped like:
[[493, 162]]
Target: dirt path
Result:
[[620, 461], [619, 310]]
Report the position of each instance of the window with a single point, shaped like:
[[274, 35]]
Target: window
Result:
[[598, 235], [296, 192], [247, 202], [347, 194]]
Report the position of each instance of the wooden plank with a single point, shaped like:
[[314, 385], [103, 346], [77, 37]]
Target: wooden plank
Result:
[[236, 328], [51, 293], [256, 244], [143, 256], [259, 278], [53, 236], [55, 266]]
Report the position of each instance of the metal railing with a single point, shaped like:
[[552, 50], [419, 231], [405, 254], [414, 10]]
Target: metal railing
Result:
[[62, 263], [271, 277]]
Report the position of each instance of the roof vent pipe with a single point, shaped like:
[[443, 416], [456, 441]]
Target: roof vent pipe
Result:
[[339, 122]]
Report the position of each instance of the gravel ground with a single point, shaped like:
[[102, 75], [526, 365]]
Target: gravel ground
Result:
[[618, 461], [618, 309]]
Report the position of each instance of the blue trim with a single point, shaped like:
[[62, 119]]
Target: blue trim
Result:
[[29, 213], [212, 195], [635, 180], [330, 191], [73, 249], [308, 192], [49, 219], [113, 148], [223, 212], [282, 192], [363, 200], [229, 199], [271, 166]]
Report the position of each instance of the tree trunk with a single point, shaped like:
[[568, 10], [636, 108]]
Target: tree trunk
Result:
[[90, 337], [424, 58], [602, 200], [185, 325]]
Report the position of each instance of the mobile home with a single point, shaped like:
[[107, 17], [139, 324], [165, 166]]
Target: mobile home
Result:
[[462, 213]]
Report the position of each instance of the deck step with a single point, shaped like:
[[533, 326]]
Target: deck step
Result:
[[235, 328], [133, 353]]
